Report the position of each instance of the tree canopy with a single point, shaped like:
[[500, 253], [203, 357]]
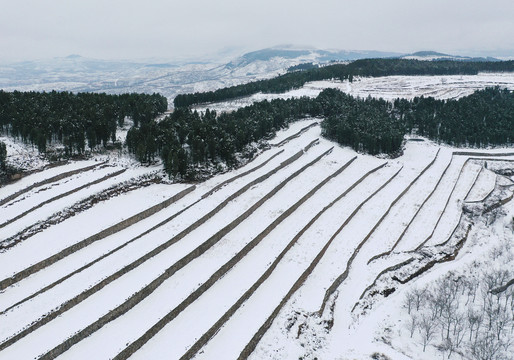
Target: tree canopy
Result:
[[39, 118], [186, 139]]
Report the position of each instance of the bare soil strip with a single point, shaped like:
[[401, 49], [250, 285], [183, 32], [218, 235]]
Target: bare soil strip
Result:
[[445, 206], [339, 280], [165, 221], [87, 293], [83, 205], [413, 217], [60, 196], [228, 181], [302, 130]]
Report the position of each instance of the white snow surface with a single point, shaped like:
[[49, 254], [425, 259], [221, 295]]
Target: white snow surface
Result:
[[297, 331], [386, 87]]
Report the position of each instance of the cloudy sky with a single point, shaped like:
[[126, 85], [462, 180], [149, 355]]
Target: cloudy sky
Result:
[[173, 29]]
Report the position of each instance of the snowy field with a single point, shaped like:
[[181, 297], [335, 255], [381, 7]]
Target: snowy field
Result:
[[286, 260], [308, 251], [386, 87]]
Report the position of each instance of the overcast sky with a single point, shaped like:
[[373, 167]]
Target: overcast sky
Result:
[[170, 29]]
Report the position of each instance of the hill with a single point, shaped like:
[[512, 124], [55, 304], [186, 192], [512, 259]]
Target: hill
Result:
[[436, 56], [308, 244]]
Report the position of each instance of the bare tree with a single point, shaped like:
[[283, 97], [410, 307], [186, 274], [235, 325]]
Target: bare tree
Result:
[[474, 313], [447, 294], [427, 328], [500, 323], [474, 320], [457, 334], [419, 297], [434, 303], [472, 290], [408, 301], [413, 324], [486, 348]]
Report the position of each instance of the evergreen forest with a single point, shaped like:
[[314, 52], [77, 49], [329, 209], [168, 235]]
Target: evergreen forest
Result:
[[187, 140], [40, 118]]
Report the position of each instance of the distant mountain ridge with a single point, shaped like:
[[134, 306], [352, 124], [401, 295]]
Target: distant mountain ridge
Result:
[[79, 74], [434, 56], [314, 54]]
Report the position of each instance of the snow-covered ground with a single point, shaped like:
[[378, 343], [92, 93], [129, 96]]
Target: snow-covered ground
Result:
[[78, 74], [192, 275], [25, 157], [243, 269], [386, 87]]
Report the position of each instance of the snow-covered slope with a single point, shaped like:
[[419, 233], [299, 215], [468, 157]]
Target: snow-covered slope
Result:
[[386, 87], [434, 55], [285, 259]]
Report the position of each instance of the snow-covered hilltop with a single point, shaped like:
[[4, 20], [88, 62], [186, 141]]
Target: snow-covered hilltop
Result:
[[434, 55], [386, 87]]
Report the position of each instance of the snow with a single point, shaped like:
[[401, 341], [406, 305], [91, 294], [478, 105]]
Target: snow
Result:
[[120, 290], [386, 87], [213, 303], [245, 322], [293, 129], [18, 153], [51, 191], [483, 187], [453, 211], [298, 331], [41, 176], [64, 234]]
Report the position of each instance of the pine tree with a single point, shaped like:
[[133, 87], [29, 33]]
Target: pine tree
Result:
[[3, 156]]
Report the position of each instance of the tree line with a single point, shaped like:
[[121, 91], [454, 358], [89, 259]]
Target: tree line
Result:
[[367, 125], [189, 142], [483, 118], [192, 144], [40, 118], [302, 67], [6, 169], [364, 67]]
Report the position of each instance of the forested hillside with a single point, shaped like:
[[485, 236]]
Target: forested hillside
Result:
[[72, 119], [193, 145], [187, 140], [365, 67], [483, 118]]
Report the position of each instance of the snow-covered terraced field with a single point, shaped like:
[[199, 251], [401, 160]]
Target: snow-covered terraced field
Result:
[[269, 261], [386, 87]]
